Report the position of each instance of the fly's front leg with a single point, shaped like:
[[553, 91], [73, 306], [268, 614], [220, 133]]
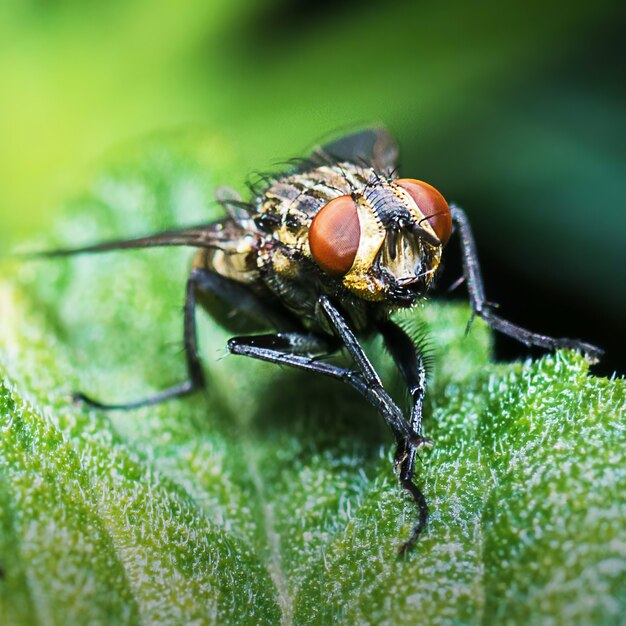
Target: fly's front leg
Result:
[[480, 307], [295, 350], [287, 348], [408, 438], [411, 365], [386, 406]]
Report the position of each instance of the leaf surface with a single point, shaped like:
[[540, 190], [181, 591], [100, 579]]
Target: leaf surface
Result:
[[271, 498]]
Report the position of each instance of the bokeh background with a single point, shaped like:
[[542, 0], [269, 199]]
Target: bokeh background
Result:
[[516, 111]]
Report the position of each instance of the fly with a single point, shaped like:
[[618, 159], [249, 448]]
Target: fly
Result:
[[320, 259]]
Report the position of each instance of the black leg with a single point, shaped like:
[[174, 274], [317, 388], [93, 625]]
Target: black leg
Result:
[[393, 416], [410, 363], [239, 296], [412, 367], [283, 349], [349, 340], [194, 368], [287, 349], [471, 269]]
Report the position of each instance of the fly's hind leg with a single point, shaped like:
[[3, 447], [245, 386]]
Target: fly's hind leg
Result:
[[480, 307], [195, 379], [234, 294]]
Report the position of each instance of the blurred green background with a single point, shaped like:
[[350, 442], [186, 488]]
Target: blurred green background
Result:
[[514, 111]]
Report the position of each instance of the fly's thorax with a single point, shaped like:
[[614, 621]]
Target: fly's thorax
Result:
[[288, 207]]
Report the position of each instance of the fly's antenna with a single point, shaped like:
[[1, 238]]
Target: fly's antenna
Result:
[[425, 235]]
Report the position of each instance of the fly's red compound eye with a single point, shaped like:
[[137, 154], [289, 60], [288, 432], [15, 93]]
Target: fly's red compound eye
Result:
[[432, 204], [334, 235]]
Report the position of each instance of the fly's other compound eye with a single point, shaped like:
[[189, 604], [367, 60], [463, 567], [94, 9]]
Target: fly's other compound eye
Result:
[[334, 235], [432, 204]]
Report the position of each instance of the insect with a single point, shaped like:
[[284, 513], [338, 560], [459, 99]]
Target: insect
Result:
[[321, 257]]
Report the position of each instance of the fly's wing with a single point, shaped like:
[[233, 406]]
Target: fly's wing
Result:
[[205, 236], [373, 146]]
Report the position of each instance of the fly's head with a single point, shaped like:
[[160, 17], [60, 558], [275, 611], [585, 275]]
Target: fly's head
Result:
[[384, 241]]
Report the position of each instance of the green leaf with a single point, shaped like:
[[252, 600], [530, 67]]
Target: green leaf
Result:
[[271, 497]]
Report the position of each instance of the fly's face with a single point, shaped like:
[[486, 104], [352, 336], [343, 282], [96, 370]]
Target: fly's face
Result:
[[384, 241]]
